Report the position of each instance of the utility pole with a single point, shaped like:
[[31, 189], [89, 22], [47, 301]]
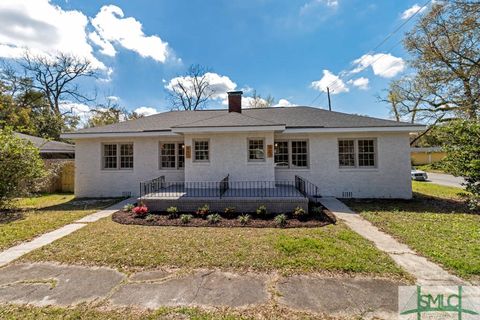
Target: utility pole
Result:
[[329, 102]]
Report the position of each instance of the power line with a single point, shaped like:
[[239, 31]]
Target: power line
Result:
[[398, 28]]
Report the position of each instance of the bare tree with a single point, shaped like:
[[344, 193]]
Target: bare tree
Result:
[[57, 77], [192, 90], [257, 101]]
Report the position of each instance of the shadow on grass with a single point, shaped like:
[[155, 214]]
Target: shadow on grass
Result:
[[83, 204], [420, 203]]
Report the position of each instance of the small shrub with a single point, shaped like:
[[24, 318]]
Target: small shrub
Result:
[[203, 211], [262, 210], [229, 210], [150, 217], [244, 219], [317, 210], [140, 210], [128, 207], [299, 213], [281, 220], [172, 212], [213, 218], [186, 218]]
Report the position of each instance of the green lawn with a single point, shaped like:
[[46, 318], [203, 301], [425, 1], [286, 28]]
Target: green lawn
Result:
[[44, 213], [435, 224], [330, 248]]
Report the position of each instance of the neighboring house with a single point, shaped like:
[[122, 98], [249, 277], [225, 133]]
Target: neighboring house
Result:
[[59, 154], [427, 155], [264, 149], [50, 149]]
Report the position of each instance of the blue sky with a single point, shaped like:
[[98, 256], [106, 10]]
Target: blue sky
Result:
[[277, 47]]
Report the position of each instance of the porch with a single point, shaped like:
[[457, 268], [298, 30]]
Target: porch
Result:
[[246, 196]]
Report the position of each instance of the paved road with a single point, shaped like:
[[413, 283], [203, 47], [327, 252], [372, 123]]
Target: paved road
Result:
[[445, 179]]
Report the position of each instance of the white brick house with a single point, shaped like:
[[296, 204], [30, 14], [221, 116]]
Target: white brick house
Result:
[[343, 155]]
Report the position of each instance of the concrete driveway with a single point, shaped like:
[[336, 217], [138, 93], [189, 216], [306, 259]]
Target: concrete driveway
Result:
[[445, 179]]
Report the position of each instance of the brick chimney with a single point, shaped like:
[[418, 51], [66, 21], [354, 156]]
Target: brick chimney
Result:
[[235, 101]]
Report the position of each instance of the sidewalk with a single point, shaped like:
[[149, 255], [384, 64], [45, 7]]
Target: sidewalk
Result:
[[16, 252], [426, 272]]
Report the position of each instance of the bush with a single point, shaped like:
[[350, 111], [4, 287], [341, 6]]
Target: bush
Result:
[[203, 211], [140, 210], [186, 218], [21, 168], [262, 210], [172, 212], [281, 220], [213, 218], [229, 210], [299, 213], [317, 210], [128, 207], [244, 219]]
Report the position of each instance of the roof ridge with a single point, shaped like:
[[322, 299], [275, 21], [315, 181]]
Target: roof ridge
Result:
[[191, 122]]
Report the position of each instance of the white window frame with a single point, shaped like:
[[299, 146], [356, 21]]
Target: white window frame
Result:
[[194, 156], [176, 155], [357, 153], [263, 149], [118, 155], [290, 154]]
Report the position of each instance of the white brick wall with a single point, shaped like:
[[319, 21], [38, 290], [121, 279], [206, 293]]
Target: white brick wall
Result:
[[228, 155]]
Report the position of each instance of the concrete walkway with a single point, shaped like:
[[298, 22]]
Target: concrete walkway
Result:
[[44, 284], [16, 252], [426, 272]]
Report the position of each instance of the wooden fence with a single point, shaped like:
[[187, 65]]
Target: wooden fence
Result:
[[64, 181]]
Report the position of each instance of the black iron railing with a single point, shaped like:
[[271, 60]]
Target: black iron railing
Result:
[[224, 185], [152, 186], [306, 188]]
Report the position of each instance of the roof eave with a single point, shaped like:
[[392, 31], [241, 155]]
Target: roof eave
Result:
[[415, 128], [91, 135], [228, 129]]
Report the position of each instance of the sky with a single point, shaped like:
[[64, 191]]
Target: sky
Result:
[[289, 49]]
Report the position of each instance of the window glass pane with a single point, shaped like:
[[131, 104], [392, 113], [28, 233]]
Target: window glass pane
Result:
[[256, 149], [366, 153], [109, 156], [167, 155], [299, 154], [281, 153], [181, 155], [126, 156], [201, 150], [346, 153]]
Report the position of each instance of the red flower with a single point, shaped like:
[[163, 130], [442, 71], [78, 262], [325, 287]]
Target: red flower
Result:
[[140, 210]]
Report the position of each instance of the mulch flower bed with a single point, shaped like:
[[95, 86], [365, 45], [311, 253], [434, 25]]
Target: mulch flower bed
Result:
[[162, 219]]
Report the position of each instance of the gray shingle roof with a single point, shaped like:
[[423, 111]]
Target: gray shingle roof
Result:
[[48, 146], [291, 117]]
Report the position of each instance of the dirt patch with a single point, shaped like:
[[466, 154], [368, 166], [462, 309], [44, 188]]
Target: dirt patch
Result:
[[162, 219]]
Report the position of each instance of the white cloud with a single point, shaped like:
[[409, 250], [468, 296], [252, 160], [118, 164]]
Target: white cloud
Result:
[[383, 64], [44, 29], [107, 48], [218, 84], [113, 98], [146, 111], [112, 27], [412, 10], [361, 83], [315, 3], [284, 103], [76, 109], [335, 84]]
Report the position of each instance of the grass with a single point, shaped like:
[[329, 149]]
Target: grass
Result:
[[87, 312], [37, 215], [132, 247], [435, 224]]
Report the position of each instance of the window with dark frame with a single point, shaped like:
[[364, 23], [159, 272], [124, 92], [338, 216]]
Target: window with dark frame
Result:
[[181, 156], [201, 151], [167, 156], [281, 153], [117, 156], [291, 154], [353, 153], [256, 150]]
